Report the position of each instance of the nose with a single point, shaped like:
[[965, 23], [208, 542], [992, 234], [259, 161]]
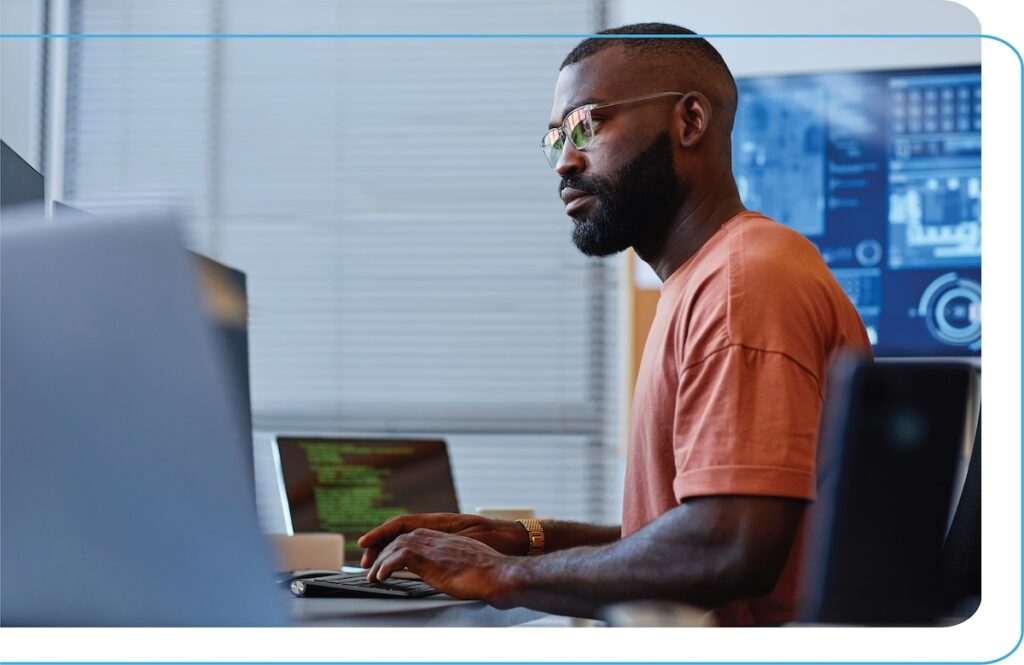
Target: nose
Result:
[[571, 161]]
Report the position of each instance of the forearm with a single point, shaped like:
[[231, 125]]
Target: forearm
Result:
[[580, 581], [566, 535], [694, 554]]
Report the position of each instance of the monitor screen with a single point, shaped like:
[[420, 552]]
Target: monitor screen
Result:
[[882, 172], [349, 486]]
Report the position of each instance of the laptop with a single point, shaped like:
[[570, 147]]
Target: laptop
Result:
[[125, 496], [349, 485]]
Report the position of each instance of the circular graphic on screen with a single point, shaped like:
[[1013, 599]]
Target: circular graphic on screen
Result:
[[868, 252], [951, 308]]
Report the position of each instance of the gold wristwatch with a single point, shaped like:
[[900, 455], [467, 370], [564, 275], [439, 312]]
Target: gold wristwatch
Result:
[[536, 534]]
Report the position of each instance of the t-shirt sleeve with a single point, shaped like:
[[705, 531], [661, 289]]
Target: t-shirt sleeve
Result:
[[746, 422]]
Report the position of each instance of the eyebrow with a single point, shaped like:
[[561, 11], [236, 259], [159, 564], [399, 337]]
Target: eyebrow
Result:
[[572, 108]]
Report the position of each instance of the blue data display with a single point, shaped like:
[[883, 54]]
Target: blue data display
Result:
[[882, 172]]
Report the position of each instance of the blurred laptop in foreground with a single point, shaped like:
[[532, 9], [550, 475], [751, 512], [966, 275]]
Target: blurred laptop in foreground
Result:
[[126, 495]]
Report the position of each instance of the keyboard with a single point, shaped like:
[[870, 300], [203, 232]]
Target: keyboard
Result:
[[354, 585]]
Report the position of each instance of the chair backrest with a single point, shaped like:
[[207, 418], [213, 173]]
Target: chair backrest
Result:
[[961, 553], [889, 447]]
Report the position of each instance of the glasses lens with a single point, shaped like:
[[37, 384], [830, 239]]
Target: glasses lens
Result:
[[578, 128], [551, 144]]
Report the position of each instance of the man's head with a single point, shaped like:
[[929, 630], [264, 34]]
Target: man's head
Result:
[[649, 156]]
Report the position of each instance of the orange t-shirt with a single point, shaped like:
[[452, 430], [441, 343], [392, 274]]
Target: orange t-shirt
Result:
[[731, 385]]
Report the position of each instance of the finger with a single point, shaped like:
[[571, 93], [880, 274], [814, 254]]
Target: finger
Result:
[[371, 575], [392, 561], [385, 532], [396, 526], [369, 556], [391, 552], [405, 556], [397, 551]]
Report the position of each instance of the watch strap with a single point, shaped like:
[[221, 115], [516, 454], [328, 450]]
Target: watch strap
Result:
[[535, 532]]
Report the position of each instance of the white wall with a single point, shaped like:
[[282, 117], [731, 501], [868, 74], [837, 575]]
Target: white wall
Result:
[[753, 56], [20, 78]]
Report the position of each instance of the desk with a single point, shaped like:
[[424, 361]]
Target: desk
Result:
[[404, 612]]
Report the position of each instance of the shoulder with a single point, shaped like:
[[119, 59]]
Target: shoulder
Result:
[[733, 283], [750, 250], [760, 285], [783, 298], [753, 264], [761, 249]]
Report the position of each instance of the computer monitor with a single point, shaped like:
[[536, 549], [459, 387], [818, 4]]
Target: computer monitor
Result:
[[225, 301], [227, 309], [19, 182], [226, 304], [121, 503], [882, 171], [350, 485]]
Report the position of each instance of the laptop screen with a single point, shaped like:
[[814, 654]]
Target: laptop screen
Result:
[[350, 485]]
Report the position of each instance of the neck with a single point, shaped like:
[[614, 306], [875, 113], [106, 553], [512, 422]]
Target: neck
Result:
[[700, 216]]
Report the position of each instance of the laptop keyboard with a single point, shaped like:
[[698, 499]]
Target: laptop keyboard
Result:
[[354, 585]]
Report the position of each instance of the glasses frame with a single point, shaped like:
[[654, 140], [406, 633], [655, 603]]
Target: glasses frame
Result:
[[563, 131]]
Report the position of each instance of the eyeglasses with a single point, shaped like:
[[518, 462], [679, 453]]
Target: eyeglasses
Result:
[[578, 126]]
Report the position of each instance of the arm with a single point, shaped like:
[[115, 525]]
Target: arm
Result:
[[708, 551], [566, 535], [504, 536]]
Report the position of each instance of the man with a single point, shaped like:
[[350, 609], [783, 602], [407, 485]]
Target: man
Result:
[[721, 459]]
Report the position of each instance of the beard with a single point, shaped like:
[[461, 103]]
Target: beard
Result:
[[635, 209]]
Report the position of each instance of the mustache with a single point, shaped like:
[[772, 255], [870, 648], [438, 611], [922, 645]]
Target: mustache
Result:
[[582, 184]]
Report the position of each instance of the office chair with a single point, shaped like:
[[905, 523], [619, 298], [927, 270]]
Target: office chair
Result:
[[961, 552]]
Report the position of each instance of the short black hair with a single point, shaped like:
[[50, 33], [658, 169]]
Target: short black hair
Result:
[[694, 54]]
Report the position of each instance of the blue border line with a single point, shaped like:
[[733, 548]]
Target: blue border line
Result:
[[483, 35], [1020, 61]]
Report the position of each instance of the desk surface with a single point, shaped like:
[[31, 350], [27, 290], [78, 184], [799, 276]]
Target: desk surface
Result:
[[401, 612]]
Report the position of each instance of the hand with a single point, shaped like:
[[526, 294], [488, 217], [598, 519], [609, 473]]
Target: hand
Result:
[[505, 537], [456, 565]]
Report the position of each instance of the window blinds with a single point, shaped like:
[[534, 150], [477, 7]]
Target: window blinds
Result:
[[410, 269]]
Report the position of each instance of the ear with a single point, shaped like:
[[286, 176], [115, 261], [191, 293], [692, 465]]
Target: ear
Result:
[[693, 112]]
